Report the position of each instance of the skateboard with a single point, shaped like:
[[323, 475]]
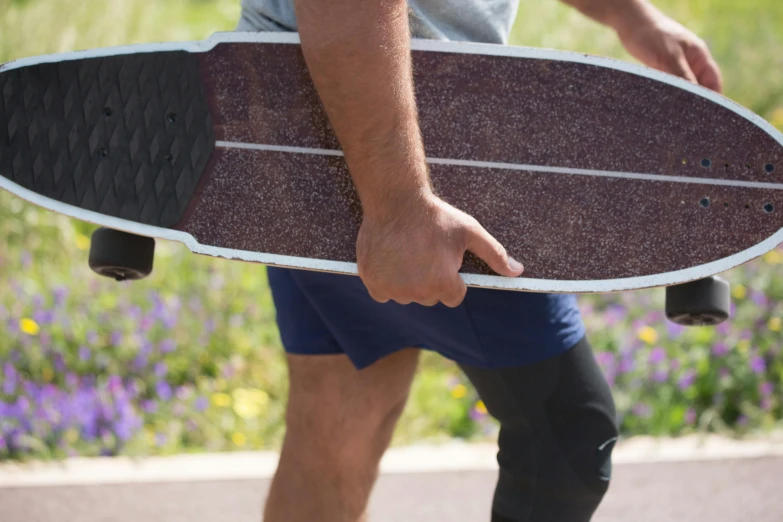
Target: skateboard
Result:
[[599, 175]]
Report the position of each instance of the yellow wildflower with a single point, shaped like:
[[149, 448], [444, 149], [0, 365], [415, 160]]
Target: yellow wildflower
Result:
[[775, 324], [481, 407], [648, 335], [739, 292], [743, 346], [250, 403], [29, 326], [239, 439], [71, 436], [221, 400], [82, 242], [459, 391], [773, 257], [777, 118]]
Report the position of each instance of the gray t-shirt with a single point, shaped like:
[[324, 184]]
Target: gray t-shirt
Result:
[[485, 21]]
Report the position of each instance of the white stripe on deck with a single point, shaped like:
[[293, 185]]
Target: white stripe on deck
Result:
[[521, 167]]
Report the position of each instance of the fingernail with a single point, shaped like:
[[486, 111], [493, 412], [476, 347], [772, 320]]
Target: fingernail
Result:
[[515, 265]]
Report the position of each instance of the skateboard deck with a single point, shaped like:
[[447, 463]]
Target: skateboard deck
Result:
[[598, 175]]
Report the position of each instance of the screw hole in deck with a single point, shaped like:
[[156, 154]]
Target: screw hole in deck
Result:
[[705, 202], [706, 163], [768, 208], [769, 167]]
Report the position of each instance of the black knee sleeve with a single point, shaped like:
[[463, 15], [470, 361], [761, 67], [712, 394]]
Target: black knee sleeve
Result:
[[558, 429]]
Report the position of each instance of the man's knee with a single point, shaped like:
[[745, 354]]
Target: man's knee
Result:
[[558, 428]]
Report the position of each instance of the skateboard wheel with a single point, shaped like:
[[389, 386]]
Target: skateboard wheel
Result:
[[121, 255], [704, 302]]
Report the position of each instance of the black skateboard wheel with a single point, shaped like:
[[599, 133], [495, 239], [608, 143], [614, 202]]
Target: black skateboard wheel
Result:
[[704, 302], [121, 255]]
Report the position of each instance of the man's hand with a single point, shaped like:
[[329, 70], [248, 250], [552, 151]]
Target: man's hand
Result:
[[414, 253], [410, 244], [655, 39]]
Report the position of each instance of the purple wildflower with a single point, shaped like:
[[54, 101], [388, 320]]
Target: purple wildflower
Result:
[[134, 312], [660, 375], [758, 364], [139, 362], [657, 355], [9, 383], [92, 338], [167, 346], [149, 406], [163, 390], [160, 369], [642, 410], [60, 294], [627, 364], [686, 381], [766, 388], [43, 317], [59, 362], [201, 403], [674, 330], [114, 383], [720, 349], [759, 298], [723, 329], [116, 338], [84, 353]]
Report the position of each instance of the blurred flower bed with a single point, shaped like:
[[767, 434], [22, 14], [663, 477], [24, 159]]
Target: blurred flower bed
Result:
[[190, 359]]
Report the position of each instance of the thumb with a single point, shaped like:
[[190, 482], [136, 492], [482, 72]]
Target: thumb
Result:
[[481, 243]]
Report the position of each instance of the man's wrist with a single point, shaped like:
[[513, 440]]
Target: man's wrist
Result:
[[620, 15]]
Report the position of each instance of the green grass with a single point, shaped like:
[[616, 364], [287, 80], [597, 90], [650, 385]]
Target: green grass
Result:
[[42, 251]]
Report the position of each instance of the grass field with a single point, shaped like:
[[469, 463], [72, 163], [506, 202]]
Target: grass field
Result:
[[190, 359]]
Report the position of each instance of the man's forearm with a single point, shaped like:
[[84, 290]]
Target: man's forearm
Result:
[[358, 55], [617, 14]]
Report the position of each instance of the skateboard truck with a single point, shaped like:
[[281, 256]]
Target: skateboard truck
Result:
[[120, 255], [704, 302]]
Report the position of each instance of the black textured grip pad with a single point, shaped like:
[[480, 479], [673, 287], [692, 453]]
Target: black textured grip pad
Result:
[[128, 136]]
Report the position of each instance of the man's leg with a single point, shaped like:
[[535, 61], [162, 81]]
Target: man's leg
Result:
[[558, 428], [339, 423]]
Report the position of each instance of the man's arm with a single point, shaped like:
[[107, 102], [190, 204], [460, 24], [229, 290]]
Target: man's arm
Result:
[[655, 39], [411, 243]]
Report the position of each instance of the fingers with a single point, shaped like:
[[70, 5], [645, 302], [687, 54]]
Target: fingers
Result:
[[677, 64], [704, 66], [451, 294], [481, 243], [456, 293]]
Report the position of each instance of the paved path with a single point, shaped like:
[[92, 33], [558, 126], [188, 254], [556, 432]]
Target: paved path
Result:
[[718, 483], [711, 491]]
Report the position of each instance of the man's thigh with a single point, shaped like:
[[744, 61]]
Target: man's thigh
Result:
[[335, 408]]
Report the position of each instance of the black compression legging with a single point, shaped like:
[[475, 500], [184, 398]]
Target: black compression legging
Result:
[[558, 427]]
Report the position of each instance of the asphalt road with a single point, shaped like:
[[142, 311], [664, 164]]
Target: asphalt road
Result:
[[708, 491]]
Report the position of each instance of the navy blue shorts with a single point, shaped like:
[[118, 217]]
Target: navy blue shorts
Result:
[[321, 313]]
